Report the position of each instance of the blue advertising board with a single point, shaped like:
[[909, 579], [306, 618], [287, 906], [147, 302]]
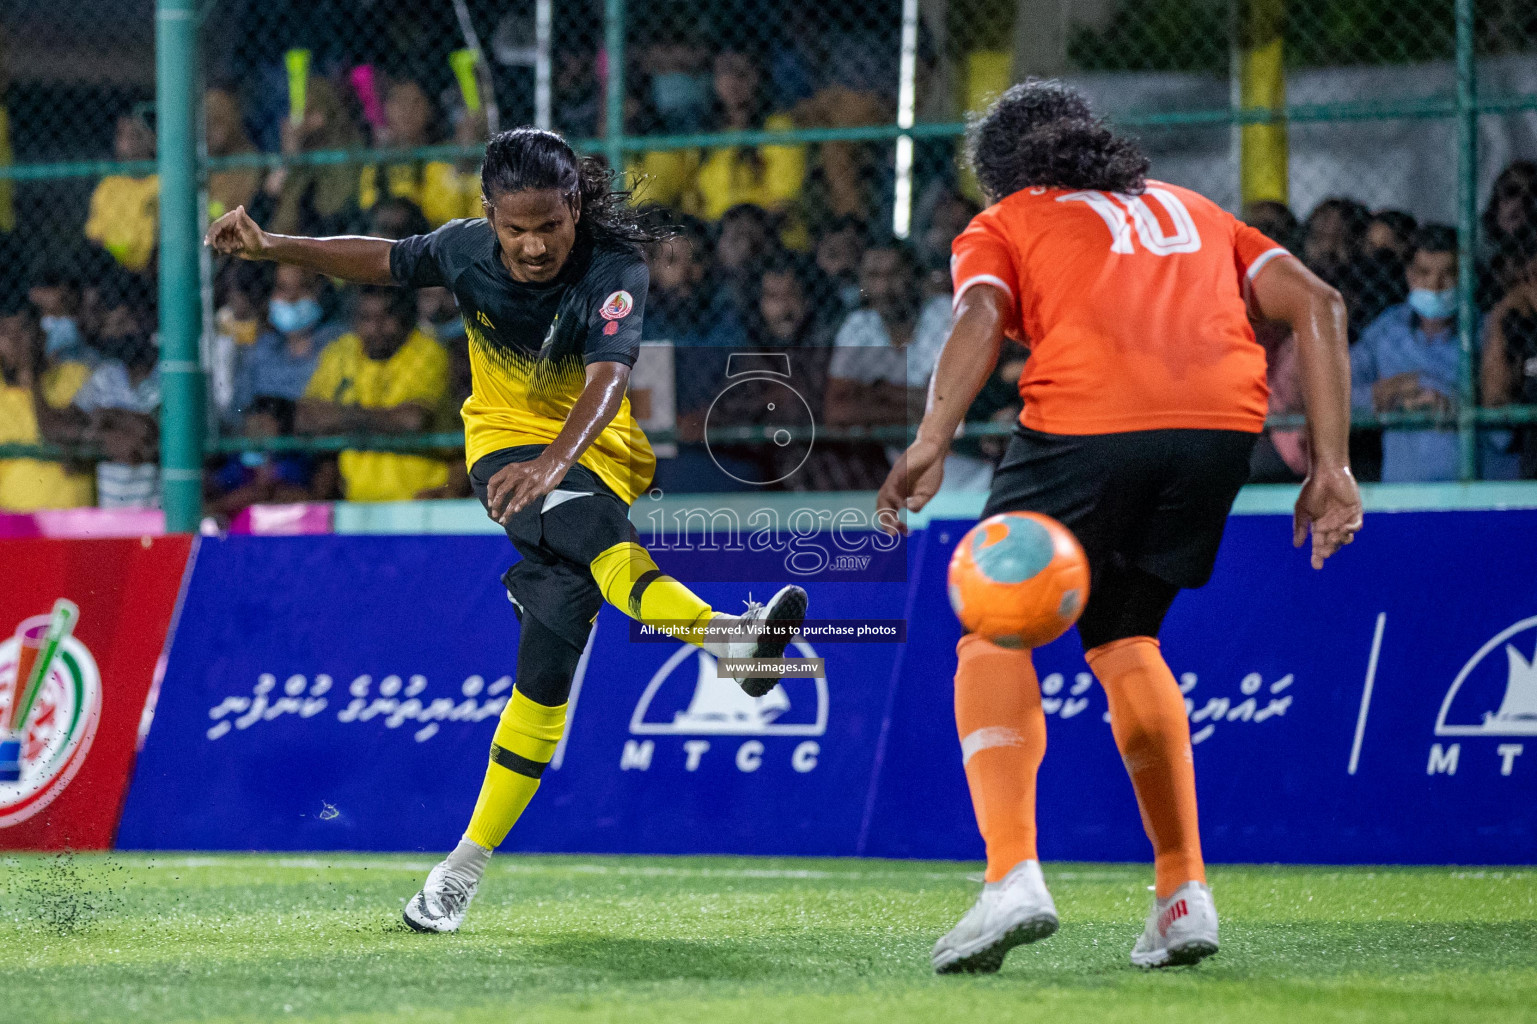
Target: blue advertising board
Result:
[[341, 692]]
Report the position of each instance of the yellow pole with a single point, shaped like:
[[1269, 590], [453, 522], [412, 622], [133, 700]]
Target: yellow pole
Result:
[[1262, 84]]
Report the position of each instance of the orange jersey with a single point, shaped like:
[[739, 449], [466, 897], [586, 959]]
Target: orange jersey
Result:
[[1133, 307]]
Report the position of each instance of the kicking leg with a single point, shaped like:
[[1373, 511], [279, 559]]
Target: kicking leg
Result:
[[525, 740], [630, 581], [1003, 740]]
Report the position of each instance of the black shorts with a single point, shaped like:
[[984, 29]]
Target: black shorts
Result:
[[1155, 500], [558, 536]]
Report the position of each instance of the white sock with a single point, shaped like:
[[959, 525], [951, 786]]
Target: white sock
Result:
[[469, 860]]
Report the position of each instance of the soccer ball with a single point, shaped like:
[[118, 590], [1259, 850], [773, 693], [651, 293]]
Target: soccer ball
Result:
[[1019, 579]]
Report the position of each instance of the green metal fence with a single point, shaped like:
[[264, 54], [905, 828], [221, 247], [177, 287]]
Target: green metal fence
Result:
[[1246, 100]]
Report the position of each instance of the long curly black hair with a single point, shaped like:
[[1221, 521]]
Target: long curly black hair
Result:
[[533, 158], [1043, 133]]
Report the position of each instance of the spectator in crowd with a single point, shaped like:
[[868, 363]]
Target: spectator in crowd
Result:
[[846, 176], [226, 136], [118, 405], [56, 294], [1509, 370], [1407, 361], [839, 247], [241, 292], [320, 199], [396, 217], [1388, 244], [437, 313], [942, 214], [437, 187], [743, 239], [35, 393], [681, 310], [885, 352], [1273, 219], [284, 358], [265, 478], [678, 305], [125, 210], [383, 377], [1510, 218], [769, 177], [1332, 246], [676, 98], [786, 316]]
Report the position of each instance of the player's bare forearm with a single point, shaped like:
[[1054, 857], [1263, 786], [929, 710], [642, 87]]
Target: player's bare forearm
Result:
[[350, 257], [513, 487], [968, 360], [1288, 292]]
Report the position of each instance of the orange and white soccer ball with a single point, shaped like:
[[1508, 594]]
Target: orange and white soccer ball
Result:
[[1019, 579]]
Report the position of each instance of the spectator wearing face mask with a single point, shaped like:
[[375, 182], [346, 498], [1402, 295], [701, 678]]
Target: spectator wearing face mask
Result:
[[120, 402], [1387, 247], [1407, 361], [35, 393], [56, 295], [284, 358], [125, 211]]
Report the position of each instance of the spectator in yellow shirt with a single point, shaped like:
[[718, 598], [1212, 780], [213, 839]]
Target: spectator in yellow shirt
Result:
[[33, 396], [125, 211], [443, 192], [385, 377], [766, 176], [226, 136]]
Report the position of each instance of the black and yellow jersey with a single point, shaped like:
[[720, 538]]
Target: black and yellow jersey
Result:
[[530, 343]]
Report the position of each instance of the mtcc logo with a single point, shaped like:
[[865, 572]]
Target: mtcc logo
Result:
[[50, 703], [1495, 695], [687, 697]]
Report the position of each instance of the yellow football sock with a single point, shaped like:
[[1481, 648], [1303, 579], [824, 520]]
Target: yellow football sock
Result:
[[631, 582], [525, 741]]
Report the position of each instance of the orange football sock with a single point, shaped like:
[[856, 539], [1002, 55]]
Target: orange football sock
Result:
[[1003, 739], [1147, 717]]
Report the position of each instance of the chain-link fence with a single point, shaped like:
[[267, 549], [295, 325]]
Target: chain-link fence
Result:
[[806, 158]]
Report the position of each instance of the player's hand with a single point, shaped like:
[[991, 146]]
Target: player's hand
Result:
[[236, 234], [515, 486], [1330, 503], [910, 484]]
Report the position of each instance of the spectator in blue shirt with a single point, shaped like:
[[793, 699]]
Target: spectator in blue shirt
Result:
[[1407, 361], [283, 359]]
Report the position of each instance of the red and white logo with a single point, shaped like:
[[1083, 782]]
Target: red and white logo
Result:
[[1172, 913], [50, 727], [617, 306]]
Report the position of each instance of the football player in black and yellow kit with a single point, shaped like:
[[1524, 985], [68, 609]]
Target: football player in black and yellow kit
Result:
[[552, 288]]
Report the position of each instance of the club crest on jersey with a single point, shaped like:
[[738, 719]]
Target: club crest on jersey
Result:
[[617, 306]]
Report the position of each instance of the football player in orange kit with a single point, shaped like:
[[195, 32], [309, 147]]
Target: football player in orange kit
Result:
[[1143, 395]]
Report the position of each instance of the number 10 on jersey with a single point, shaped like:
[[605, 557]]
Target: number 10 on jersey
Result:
[[1124, 214]]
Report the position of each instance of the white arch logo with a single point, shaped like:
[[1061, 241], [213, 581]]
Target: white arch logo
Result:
[[1516, 713], [719, 707]]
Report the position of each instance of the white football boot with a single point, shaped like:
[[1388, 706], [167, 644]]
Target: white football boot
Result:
[[441, 904], [1010, 912], [786, 611], [1181, 930]]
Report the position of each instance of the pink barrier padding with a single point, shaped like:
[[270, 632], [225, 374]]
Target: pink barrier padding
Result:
[[15, 525], [82, 523], [283, 520]]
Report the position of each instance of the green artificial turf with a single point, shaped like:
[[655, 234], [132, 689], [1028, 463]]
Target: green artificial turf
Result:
[[550, 939]]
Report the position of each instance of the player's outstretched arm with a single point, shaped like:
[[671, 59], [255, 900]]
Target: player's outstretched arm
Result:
[[349, 257], [1330, 502], [513, 487], [968, 359]]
